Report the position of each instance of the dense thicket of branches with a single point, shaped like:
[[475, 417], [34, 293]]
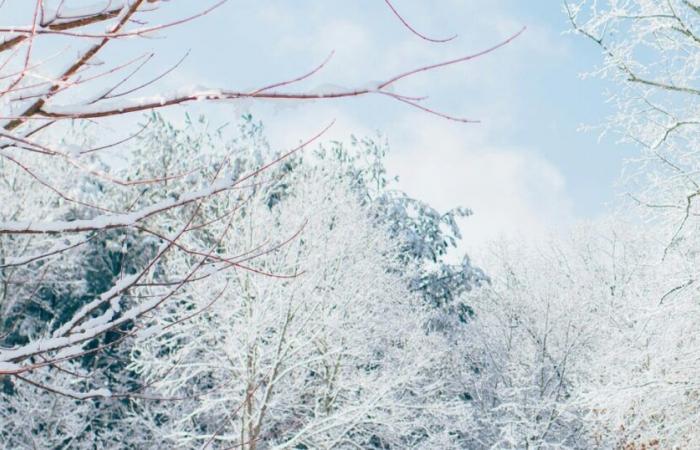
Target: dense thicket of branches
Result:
[[645, 391], [62, 195], [120, 252], [319, 335], [189, 286]]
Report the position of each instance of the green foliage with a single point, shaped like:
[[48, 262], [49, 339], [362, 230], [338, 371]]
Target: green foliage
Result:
[[426, 236]]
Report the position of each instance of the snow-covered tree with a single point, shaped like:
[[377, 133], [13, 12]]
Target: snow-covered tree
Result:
[[586, 341], [308, 255], [651, 50], [528, 342], [163, 287], [329, 350], [61, 195], [427, 236]]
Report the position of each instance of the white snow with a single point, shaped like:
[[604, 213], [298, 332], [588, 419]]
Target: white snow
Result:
[[113, 220]]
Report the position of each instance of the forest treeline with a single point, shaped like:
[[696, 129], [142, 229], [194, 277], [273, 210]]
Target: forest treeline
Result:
[[183, 284]]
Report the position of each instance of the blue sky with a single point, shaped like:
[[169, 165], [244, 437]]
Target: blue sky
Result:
[[524, 169]]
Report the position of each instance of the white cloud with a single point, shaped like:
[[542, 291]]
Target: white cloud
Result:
[[513, 192]]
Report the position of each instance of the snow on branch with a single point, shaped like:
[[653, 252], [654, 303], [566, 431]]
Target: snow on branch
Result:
[[65, 209]]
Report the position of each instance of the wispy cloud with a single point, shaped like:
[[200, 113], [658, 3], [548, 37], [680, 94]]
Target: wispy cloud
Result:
[[512, 191]]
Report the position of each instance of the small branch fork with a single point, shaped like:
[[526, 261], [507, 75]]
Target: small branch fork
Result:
[[28, 107]]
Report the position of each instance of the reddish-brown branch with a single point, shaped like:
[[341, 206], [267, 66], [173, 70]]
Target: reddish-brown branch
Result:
[[266, 93], [117, 33], [53, 189], [126, 220], [30, 47], [413, 30], [64, 26], [73, 69], [85, 313], [293, 80], [237, 261], [451, 61], [48, 254], [109, 93]]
